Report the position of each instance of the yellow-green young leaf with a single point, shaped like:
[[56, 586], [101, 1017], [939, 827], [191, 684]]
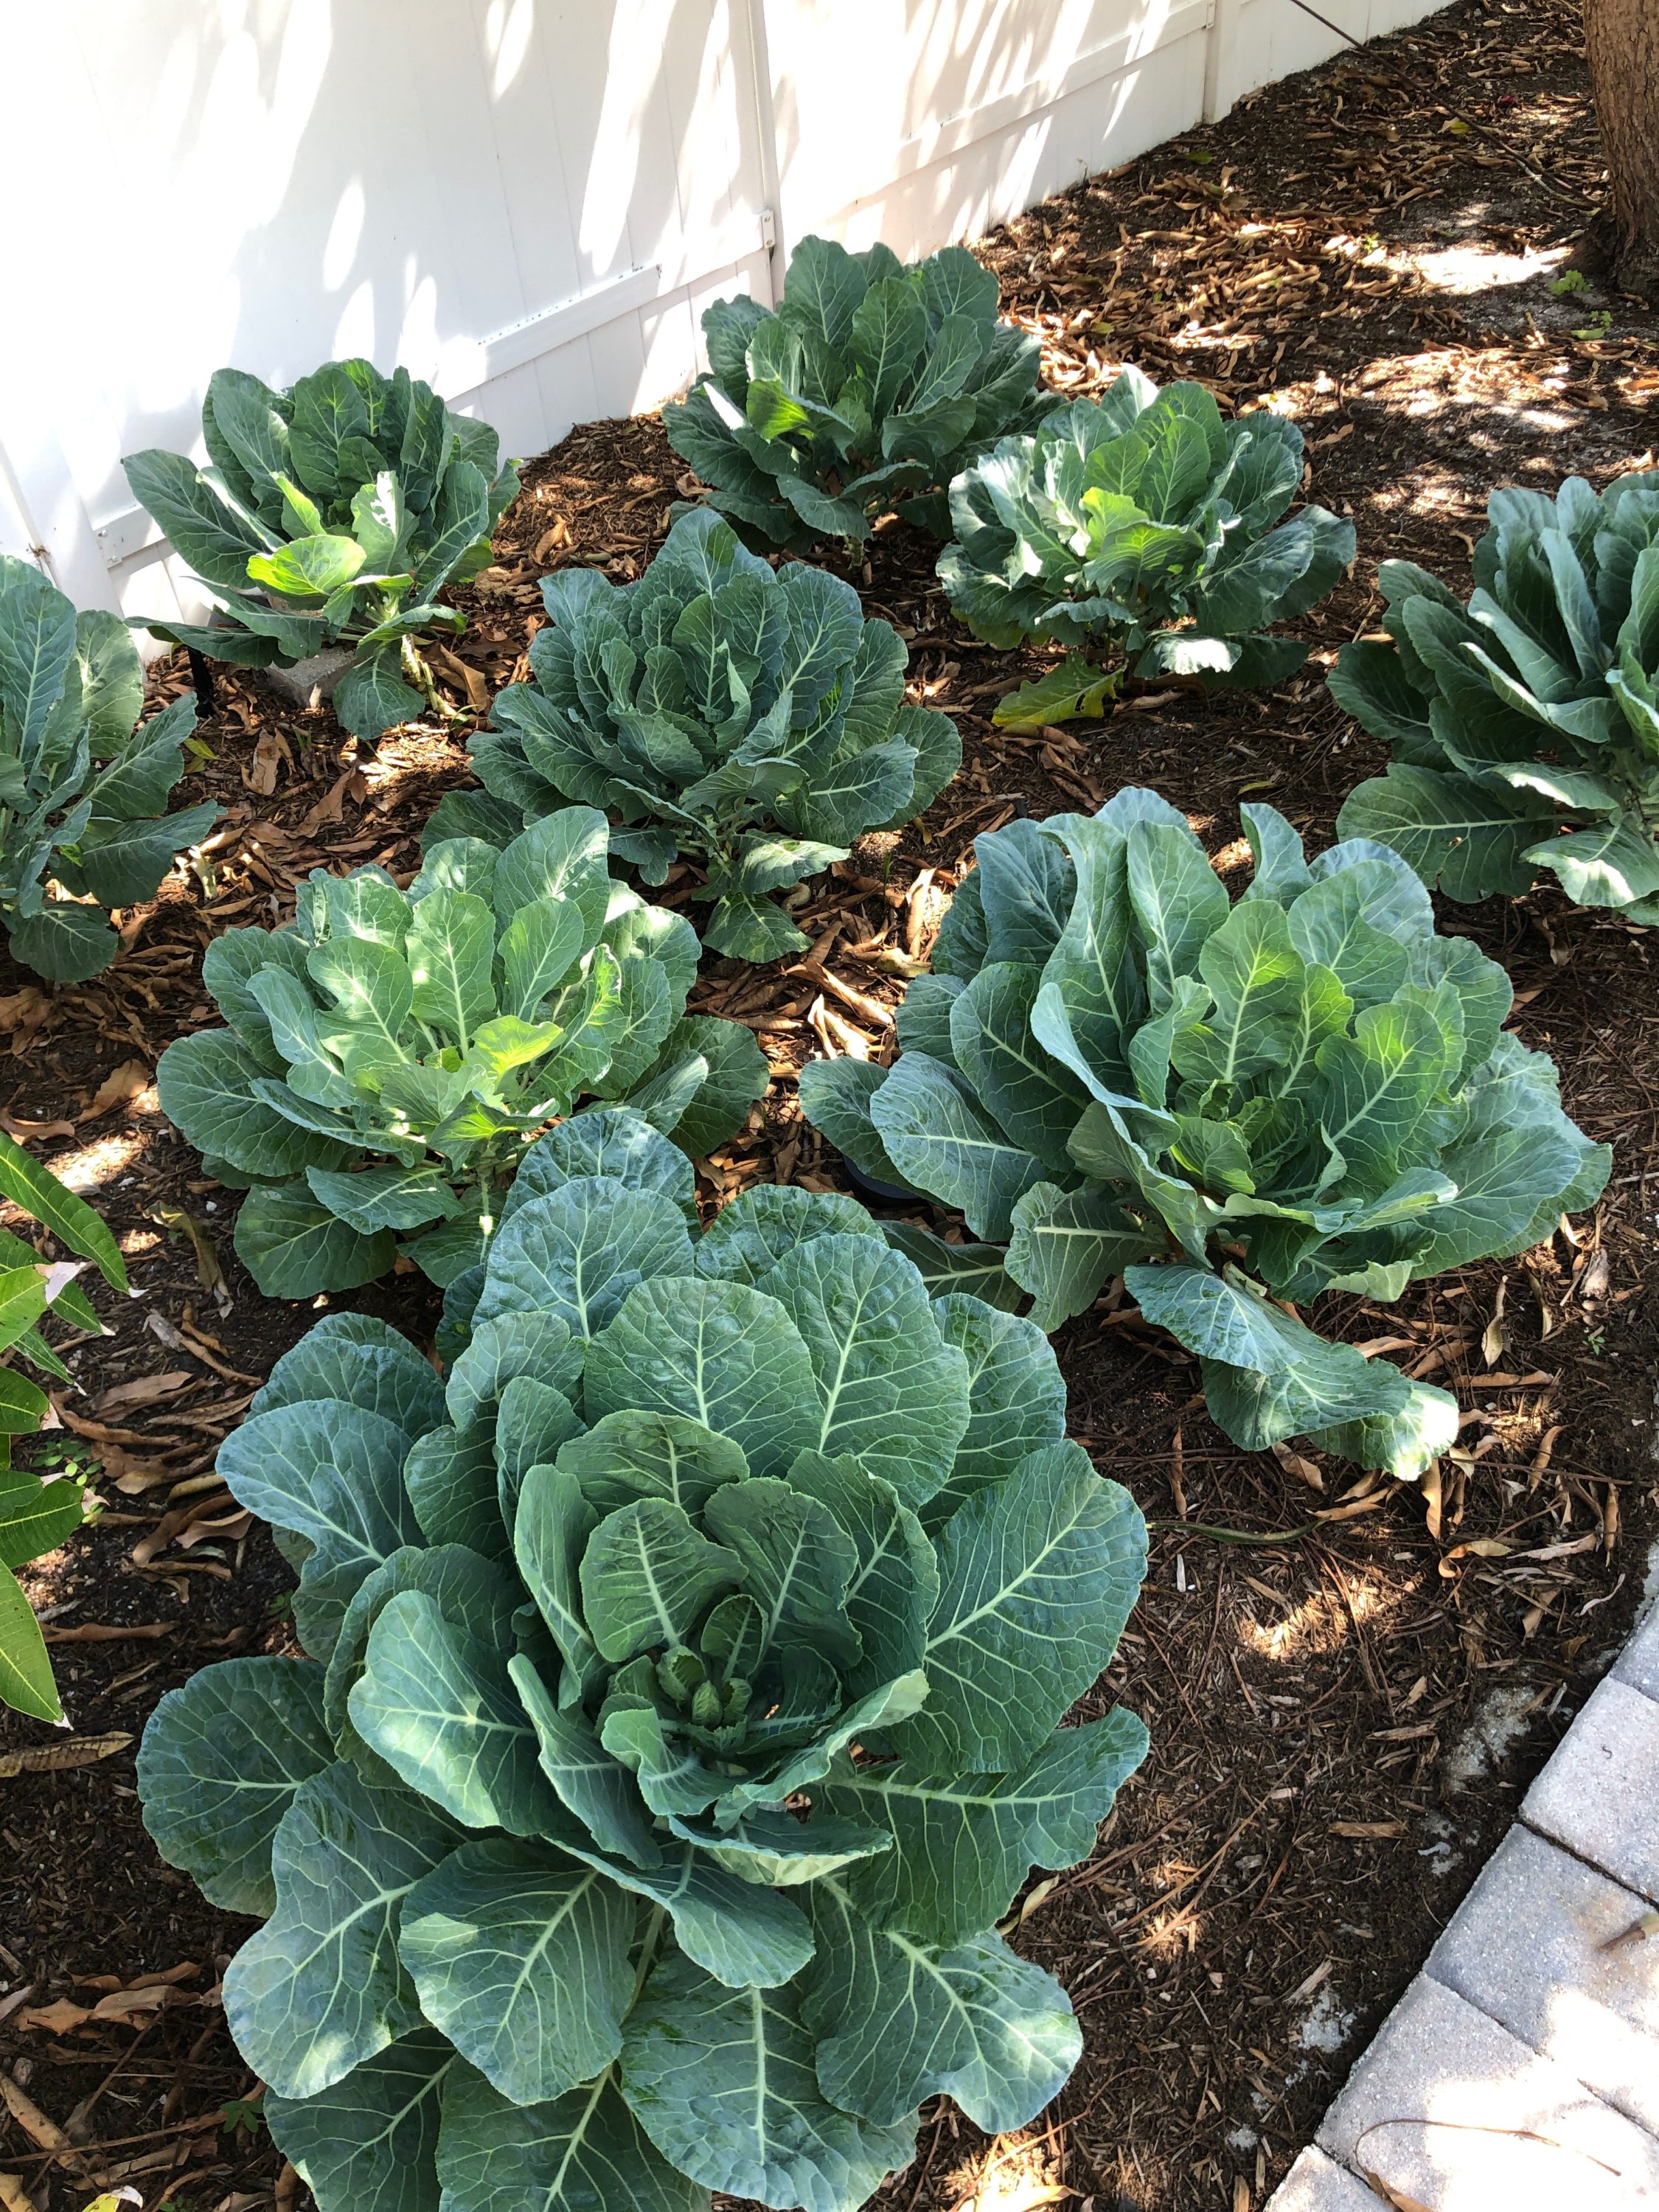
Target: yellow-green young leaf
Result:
[[308, 568]]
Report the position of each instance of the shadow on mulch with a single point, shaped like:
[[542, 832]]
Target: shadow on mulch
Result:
[[1345, 1710]]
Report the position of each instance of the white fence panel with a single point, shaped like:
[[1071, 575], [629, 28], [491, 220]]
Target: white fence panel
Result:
[[527, 202]]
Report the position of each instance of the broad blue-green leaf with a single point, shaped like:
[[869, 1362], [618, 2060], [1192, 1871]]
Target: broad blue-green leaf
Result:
[[939, 1141], [205, 1084], [1037, 1575], [745, 1936], [579, 1250], [723, 2082], [1467, 838], [451, 1478], [836, 1096], [450, 947], [1067, 1245], [746, 1237], [440, 1711], [590, 1782], [475, 1595], [561, 857], [795, 1561], [585, 2152], [386, 1198], [521, 1957], [1036, 1099], [320, 1987], [538, 947], [332, 1474], [1016, 1396], [891, 1391], [964, 1843], [605, 1141], [220, 1763], [974, 1269], [294, 1246], [1178, 899], [898, 2021], [358, 1357], [629, 1455], [893, 1585], [370, 2142], [719, 1353], [549, 1533], [536, 1343], [647, 1575]]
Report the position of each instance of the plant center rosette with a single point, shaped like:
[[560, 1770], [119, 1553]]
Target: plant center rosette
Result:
[[682, 1710]]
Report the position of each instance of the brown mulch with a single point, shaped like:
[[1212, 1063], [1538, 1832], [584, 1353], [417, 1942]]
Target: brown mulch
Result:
[[1346, 1710]]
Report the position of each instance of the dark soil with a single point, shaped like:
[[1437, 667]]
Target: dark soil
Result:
[[1344, 1712]]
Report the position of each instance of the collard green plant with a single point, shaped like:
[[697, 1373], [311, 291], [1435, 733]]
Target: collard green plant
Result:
[[868, 389], [1525, 727], [1143, 524], [391, 1054], [331, 515], [746, 716], [84, 783], [36, 1516], [1112, 1068], [681, 1713]]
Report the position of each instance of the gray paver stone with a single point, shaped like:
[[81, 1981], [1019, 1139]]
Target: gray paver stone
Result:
[[1639, 1665], [1600, 1794], [1317, 2184], [1451, 2109], [308, 683], [1527, 1947]]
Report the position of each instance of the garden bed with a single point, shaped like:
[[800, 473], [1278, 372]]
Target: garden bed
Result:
[[1345, 1708]]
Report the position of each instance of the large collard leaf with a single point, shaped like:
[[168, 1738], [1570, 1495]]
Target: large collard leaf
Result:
[[1144, 524], [583, 2152], [320, 1987], [221, 1761], [331, 1474], [892, 1391], [1268, 1377], [723, 2082], [1525, 728], [1037, 1576], [369, 2141], [748, 718], [963, 1842], [521, 1959], [346, 523], [1016, 1396], [745, 1937], [718, 1353], [940, 1140], [898, 2021], [578, 1251], [365, 1362], [440, 1709]]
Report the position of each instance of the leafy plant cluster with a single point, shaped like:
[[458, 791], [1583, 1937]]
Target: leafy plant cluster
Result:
[[331, 515], [681, 1711], [1525, 726], [1143, 522], [1112, 1067], [36, 1516], [746, 716], [391, 1054], [84, 783], [868, 389]]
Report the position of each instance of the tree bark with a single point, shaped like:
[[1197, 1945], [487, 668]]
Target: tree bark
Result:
[[1621, 38]]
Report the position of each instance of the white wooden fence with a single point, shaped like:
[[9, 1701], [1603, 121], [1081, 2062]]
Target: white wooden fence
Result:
[[527, 202]]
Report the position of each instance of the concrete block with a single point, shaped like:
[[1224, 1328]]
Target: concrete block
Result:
[[1639, 1664], [1315, 2183], [1527, 1947], [1451, 2110], [1600, 1794], [310, 682]]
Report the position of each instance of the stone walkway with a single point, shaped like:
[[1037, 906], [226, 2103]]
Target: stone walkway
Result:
[[1520, 2071]]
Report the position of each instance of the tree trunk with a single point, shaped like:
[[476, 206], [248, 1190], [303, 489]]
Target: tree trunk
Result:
[[1622, 40]]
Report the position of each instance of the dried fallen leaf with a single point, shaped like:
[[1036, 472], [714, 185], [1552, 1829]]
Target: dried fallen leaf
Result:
[[98, 1632], [474, 684], [123, 1083], [12, 2198], [27, 1132], [59, 1757], [209, 1273], [1385, 2190], [268, 757], [350, 783], [35, 2123], [1380, 1831], [143, 1390]]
